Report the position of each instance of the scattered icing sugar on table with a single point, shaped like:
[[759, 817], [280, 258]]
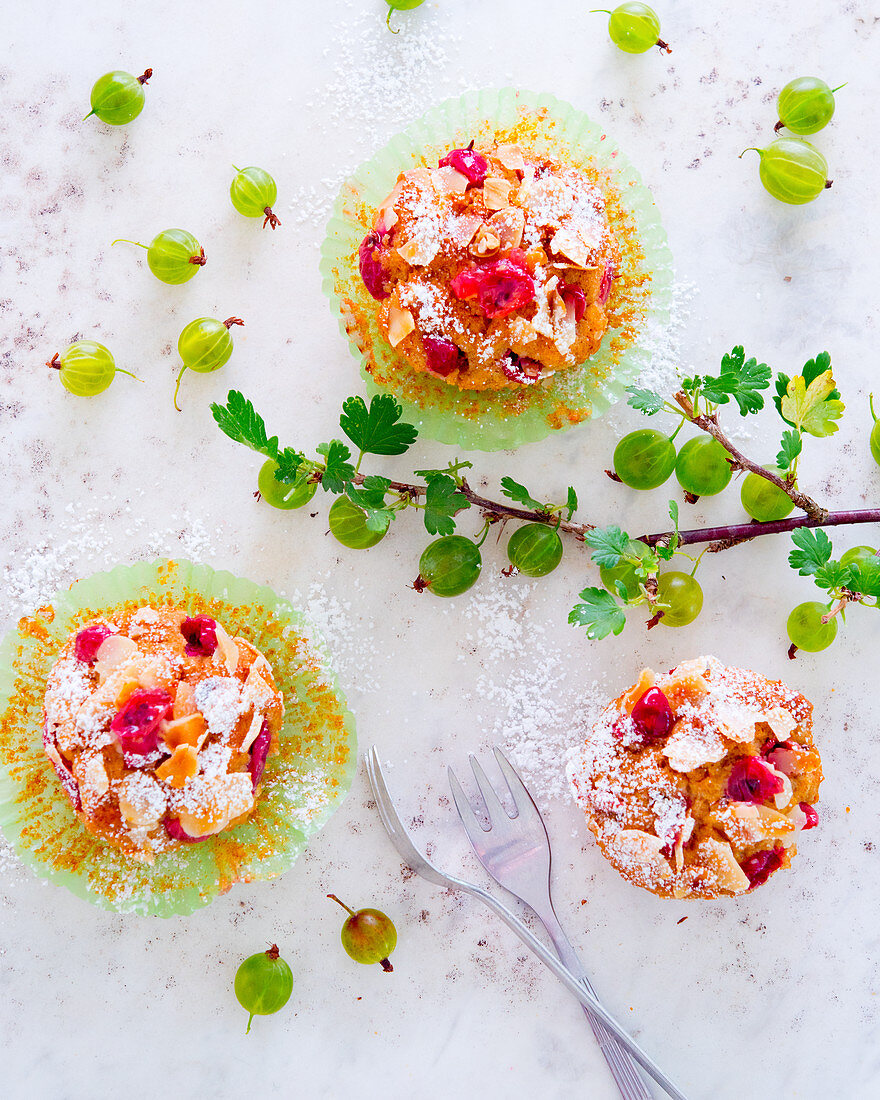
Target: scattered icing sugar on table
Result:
[[379, 82], [530, 703], [87, 542]]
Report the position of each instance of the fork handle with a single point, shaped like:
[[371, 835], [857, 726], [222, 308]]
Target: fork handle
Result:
[[622, 1065], [552, 962]]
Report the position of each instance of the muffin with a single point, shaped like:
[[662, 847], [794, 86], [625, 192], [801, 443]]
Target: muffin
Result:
[[493, 269], [499, 268], [159, 725], [697, 783]]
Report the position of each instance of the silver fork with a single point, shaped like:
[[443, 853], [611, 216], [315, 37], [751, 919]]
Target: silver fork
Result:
[[414, 859], [516, 853]]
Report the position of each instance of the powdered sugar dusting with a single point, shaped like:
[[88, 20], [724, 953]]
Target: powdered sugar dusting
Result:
[[87, 540], [531, 706], [373, 70]]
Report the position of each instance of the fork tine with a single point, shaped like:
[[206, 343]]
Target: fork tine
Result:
[[380, 790], [472, 825], [494, 806], [400, 838], [519, 792]]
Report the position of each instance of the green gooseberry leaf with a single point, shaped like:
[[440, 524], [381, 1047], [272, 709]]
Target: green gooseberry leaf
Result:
[[377, 430], [645, 401], [599, 612], [814, 549], [863, 577], [812, 369], [741, 379], [832, 576], [790, 447], [520, 495], [810, 408], [243, 424], [443, 501], [609, 545], [338, 471]]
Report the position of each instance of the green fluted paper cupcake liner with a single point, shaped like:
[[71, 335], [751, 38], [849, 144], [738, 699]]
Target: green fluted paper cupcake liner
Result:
[[302, 785], [641, 294]]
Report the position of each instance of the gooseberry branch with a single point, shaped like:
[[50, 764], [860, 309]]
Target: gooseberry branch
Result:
[[654, 572], [718, 538], [709, 423]]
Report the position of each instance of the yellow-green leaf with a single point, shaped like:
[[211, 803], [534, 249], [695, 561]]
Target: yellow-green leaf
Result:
[[809, 407]]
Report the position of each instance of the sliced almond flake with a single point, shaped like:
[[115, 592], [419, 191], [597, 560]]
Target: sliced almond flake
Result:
[[151, 670], [91, 774], [400, 325], [208, 803], [718, 856], [180, 766], [646, 680], [419, 251], [508, 224], [746, 824], [686, 683], [522, 331], [258, 691], [496, 193], [142, 620], [511, 156], [572, 247], [184, 699], [736, 721], [783, 799], [419, 176], [520, 196], [550, 201], [253, 731], [485, 243], [542, 321], [142, 802], [219, 698], [462, 228], [780, 722], [192, 729], [797, 817], [227, 649], [689, 747], [115, 651], [637, 849], [449, 181]]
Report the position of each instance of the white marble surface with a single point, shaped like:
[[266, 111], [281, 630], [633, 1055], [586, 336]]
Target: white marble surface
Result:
[[771, 995]]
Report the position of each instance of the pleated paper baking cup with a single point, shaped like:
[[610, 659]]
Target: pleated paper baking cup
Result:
[[640, 297], [304, 782]]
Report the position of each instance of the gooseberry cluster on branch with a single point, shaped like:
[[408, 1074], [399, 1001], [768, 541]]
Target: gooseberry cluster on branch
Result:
[[655, 572]]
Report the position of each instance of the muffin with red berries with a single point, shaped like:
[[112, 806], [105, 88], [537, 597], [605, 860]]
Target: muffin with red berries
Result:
[[167, 731], [492, 270], [159, 725], [497, 267], [698, 783]]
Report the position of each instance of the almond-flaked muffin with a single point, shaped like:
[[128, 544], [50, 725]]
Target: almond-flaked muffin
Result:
[[493, 269], [697, 783], [159, 726]]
